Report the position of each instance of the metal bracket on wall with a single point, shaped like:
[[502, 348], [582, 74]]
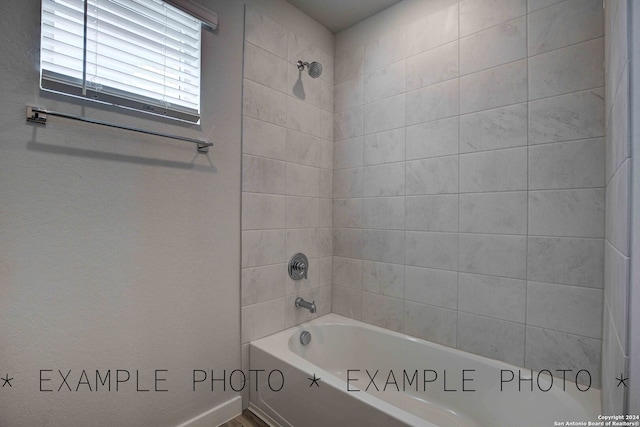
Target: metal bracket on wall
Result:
[[39, 115]]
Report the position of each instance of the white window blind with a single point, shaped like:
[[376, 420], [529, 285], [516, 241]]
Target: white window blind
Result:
[[142, 54]]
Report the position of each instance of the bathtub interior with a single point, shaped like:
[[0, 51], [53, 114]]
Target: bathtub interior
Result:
[[452, 387]]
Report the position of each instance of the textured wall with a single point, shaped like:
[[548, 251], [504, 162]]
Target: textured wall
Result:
[[117, 250], [287, 166], [469, 177]]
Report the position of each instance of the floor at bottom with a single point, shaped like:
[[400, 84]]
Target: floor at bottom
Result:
[[246, 419]]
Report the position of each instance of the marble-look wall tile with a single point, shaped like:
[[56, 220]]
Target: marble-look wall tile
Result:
[[494, 338], [386, 213], [571, 69], [300, 47], [436, 29], [326, 96], [324, 242], [430, 204], [302, 180], [390, 48], [262, 211], [349, 94], [346, 302], [384, 180], [263, 139], [324, 267], [260, 320], [385, 82], [383, 311], [348, 153], [499, 170], [433, 66], [302, 87], [347, 272], [302, 212], [495, 46], [432, 213], [577, 115], [260, 175], [430, 323], [328, 64], [347, 213], [618, 209], [306, 240], [325, 153], [496, 297], [348, 123], [617, 38], [566, 261], [533, 5], [261, 284], [502, 213], [384, 147], [348, 64], [347, 183], [571, 309], [383, 278], [476, 15], [616, 283], [326, 125], [263, 103], [433, 287], [264, 32], [326, 183], [325, 213], [347, 242], [503, 127], [547, 349], [256, 60], [575, 164], [567, 213], [619, 147], [303, 148], [495, 87], [564, 24], [495, 255], [432, 176], [383, 246], [433, 102], [303, 117], [432, 139], [385, 114], [432, 250]]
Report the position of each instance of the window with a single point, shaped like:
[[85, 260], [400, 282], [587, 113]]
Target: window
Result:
[[141, 54]]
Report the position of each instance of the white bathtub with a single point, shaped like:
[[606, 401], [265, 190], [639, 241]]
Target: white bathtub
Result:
[[345, 354]]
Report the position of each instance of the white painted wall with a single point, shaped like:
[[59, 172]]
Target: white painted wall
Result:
[[118, 250]]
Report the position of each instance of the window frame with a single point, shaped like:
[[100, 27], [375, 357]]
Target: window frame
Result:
[[73, 87]]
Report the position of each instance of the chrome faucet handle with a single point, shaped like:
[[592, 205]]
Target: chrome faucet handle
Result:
[[298, 266]]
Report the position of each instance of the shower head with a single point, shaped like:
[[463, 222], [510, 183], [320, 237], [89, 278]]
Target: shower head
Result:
[[315, 68]]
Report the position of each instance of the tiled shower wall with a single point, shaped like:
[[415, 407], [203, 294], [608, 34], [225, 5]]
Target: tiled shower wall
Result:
[[469, 180], [618, 204], [287, 162]]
